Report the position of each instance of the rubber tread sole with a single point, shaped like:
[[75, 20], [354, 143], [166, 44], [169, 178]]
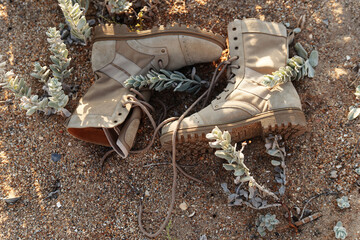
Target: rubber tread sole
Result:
[[288, 123]]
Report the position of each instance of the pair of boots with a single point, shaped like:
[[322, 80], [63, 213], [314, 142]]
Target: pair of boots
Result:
[[107, 114]]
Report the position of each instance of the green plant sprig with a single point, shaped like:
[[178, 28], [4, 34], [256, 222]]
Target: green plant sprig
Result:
[[235, 161], [118, 6], [75, 19], [164, 79], [297, 68]]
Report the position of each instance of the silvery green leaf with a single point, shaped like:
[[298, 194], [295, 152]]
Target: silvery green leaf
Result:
[[297, 30], [282, 190], [237, 202], [165, 72], [239, 172], [31, 111], [311, 72], [183, 88], [301, 51], [279, 180], [275, 163], [43, 103], [34, 98], [53, 104], [229, 167], [193, 89], [225, 188], [244, 193], [354, 113], [261, 231], [274, 152], [214, 144], [252, 192], [340, 231], [314, 58], [255, 203], [232, 197], [65, 112], [197, 78]]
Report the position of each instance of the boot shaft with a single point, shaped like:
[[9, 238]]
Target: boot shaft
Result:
[[120, 54], [260, 46]]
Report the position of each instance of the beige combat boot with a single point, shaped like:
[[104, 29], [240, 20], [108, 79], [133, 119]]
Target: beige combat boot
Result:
[[246, 108], [103, 116]]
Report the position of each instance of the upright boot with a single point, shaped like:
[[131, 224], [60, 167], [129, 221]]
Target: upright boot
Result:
[[246, 108], [103, 116]]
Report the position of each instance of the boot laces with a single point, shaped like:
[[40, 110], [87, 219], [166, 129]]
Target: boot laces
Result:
[[135, 102]]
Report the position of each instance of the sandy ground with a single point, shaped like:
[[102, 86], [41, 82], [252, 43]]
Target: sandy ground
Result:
[[95, 204]]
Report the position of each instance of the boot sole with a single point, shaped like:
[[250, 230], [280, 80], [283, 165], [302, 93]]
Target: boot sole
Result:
[[288, 123], [122, 32]]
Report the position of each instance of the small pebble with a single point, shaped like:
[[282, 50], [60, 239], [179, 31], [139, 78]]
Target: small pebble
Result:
[[183, 206], [147, 193], [55, 157], [41, 138], [348, 57], [58, 204], [91, 22], [333, 174]]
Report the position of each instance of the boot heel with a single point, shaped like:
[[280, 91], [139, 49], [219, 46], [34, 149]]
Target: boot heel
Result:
[[287, 123]]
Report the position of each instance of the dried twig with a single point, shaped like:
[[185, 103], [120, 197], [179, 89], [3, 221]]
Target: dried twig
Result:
[[308, 219], [312, 198]]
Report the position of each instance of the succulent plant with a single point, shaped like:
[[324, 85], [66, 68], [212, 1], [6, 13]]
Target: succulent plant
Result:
[[343, 202], [297, 68], [274, 147], [235, 162], [41, 73], [118, 6], [164, 79], [3, 81], [60, 55], [266, 222], [75, 19], [234, 158], [340, 231], [57, 99]]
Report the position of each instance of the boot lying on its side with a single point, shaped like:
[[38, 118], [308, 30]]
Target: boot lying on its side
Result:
[[103, 115], [246, 108]]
